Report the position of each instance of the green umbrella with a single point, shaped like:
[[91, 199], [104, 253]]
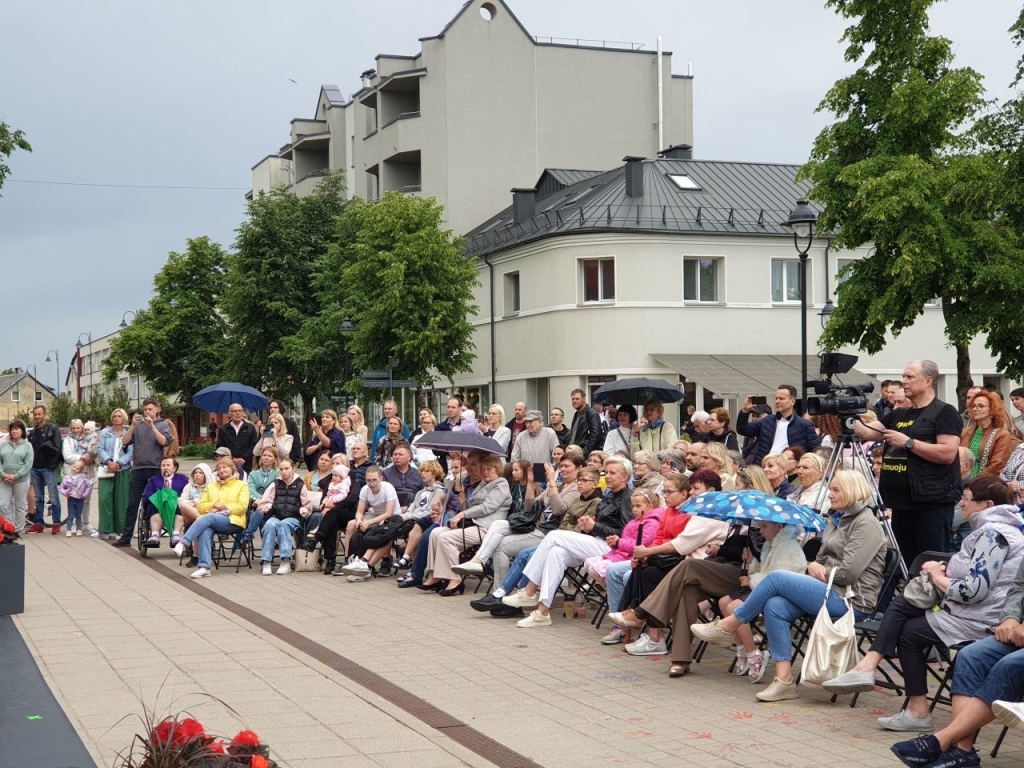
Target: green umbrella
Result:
[[166, 502]]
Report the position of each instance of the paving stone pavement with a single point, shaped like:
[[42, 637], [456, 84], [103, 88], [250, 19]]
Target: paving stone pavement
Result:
[[111, 633]]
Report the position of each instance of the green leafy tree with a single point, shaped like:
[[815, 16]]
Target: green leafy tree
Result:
[[10, 141], [897, 170], [97, 408], [179, 342], [270, 287], [403, 280]]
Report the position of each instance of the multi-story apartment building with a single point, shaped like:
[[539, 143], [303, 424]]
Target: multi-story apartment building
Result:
[[85, 372], [483, 107]]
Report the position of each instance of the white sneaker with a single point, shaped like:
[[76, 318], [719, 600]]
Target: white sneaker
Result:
[[470, 568], [94, 533], [519, 599], [200, 573], [284, 568], [646, 646], [356, 567], [712, 633], [354, 579], [90, 530], [535, 619], [70, 533], [267, 570], [179, 549]]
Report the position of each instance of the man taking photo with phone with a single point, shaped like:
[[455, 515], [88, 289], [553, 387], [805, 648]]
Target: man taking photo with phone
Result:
[[774, 435]]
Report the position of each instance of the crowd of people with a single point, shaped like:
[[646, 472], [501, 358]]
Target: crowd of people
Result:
[[598, 503]]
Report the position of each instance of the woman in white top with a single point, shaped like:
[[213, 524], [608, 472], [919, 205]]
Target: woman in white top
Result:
[[620, 440], [496, 428], [189, 499], [810, 470], [81, 446], [351, 435], [355, 413], [276, 436], [378, 503], [427, 423]]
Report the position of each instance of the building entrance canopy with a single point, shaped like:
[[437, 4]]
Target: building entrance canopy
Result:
[[736, 376]]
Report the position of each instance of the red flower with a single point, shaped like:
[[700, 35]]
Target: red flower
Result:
[[172, 733], [245, 739], [161, 735], [216, 747], [258, 761], [188, 730]]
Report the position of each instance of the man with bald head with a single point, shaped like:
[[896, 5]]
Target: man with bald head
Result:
[[238, 436], [920, 478], [516, 425]]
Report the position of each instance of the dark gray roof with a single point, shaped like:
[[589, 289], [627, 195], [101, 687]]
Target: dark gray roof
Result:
[[733, 199], [10, 380], [555, 179], [333, 94]]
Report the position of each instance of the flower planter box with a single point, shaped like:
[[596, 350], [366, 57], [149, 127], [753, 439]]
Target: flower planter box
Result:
[[12, 579]]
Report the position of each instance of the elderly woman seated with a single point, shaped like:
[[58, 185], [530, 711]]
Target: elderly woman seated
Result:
[[283, 507], [568, 549], [647, 473], [651, 432], [169, 477], [853, 545], [973, 586], [222, 509], [487, 504]]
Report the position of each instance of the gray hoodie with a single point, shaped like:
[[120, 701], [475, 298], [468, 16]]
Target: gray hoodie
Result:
[[982, 572]]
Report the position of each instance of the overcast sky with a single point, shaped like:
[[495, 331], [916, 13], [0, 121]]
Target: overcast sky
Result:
[[192, 94]]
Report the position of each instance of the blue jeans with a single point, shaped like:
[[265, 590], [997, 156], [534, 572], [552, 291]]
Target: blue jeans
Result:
[[419, 563], [203, 530], [74, 518], [515, 576], [46, 480], [990, 671], [783, 597], [616, 579], [255, 521], [278, 532]]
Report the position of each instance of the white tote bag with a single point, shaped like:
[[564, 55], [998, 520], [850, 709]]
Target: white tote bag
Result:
[[832, 645]]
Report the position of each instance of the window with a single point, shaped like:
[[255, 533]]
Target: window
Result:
[[15, 396], [598, 280], [700, 279], [684, 182], [39, 396], [511, 293], [785, 281]]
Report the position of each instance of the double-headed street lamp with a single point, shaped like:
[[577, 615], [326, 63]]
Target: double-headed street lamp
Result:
[[346, 328], [802, 220]]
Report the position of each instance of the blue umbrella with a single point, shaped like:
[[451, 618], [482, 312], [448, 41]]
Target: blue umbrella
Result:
[[636, 391], [753, 506], [217, 398]]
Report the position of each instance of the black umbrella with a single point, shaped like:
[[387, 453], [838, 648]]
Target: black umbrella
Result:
[[638, 391], [459, 442]]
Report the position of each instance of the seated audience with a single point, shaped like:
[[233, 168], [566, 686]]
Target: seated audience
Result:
[[283, 507], [192, 492], [651, 432], [222, 509], [369, 534], [169, 477]]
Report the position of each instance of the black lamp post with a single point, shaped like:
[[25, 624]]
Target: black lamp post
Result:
[[56, 354], [346, 328], [78, 346], [802, 221]]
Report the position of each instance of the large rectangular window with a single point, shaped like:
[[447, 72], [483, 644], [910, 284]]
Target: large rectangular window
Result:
[[598, 280], [785, 281], [700, 279]]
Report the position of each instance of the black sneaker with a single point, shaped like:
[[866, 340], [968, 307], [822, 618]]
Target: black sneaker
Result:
[[192, 562], [485, 603], [507, 612], [920, 751], [954, 757], [384, 569], [329, 567], [123, 542]]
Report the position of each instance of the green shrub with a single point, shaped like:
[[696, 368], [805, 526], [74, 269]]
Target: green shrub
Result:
[[198, 451]]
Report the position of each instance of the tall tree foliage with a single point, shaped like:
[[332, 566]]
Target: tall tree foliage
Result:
[[403, 280], [10, 141], [178, 343], [897, 170], [270, 292]]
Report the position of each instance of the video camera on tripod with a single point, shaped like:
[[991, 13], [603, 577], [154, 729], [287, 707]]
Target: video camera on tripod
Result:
[[842, 400]]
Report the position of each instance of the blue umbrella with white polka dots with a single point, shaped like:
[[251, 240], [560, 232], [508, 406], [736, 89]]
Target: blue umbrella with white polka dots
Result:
[[753, 506]]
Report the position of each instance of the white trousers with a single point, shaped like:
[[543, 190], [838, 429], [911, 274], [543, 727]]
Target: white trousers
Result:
[[558, 551]]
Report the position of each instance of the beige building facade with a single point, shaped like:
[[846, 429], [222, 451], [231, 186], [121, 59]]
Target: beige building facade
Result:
[[485, 106], [20, 392]]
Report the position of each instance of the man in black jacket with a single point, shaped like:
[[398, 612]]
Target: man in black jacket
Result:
[[239, 437], [774, 435], [46, 445], [586, 429]]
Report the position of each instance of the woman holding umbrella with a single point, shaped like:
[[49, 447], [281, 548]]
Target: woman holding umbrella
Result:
[[853, 545], [651, 432]]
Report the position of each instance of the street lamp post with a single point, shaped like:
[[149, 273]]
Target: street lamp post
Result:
[[346, 328], [138, 377], [802, 221], [56, 354], [79, 345]]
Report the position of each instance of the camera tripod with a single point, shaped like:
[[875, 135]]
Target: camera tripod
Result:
[[849, 446]]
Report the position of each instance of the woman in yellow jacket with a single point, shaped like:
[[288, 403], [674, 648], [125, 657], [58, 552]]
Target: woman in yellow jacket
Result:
[[222, 509]]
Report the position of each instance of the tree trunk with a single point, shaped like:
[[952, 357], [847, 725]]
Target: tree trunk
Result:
[[307, 414], [963, 374]]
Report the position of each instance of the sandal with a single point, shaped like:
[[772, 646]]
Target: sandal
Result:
[[678, 670]]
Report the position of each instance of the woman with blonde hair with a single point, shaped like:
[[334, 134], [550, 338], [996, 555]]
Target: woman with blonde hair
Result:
[[716, 458], [651, 432], [811, 470], [358, 421], [275, 436], [222, 509], [496, 428], [114, 475], [776, 469], [647, 473], [349, 430]]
